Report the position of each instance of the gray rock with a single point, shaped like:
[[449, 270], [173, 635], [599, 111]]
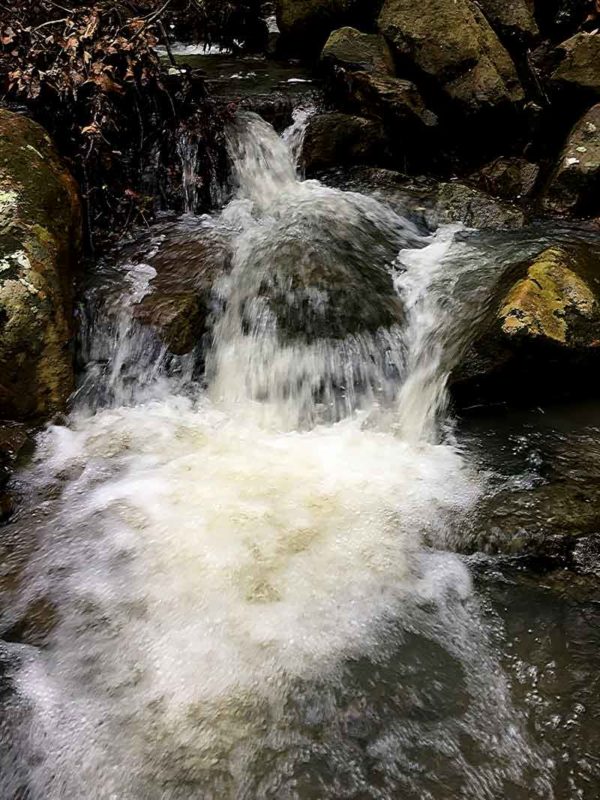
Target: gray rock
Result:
[[335, 139], [459, 203], [580, 65]]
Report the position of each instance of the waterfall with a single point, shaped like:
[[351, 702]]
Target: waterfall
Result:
[[222, 559]]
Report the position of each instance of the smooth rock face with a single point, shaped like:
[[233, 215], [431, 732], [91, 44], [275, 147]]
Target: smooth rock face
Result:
[[13, 439], [575, 184], [452, 42], [39, 249], [580, 66], [511, 19], [334, 139], [459, 203]]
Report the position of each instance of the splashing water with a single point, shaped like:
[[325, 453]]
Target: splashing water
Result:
[[219, 562]]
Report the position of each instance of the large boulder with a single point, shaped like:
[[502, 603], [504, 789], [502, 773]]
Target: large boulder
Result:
[[335, 139], [579, 68], [541, 335], [451, 43], [513, 20], [574, 187], [39, 250], [361, 68], [306, 24]]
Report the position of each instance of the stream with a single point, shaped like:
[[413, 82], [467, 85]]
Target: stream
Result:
[[242, 580]]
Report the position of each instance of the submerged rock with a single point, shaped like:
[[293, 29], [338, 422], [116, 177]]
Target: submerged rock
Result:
[[39, 250], [575, 185], [333, 139], [459, 203], [451, 43]]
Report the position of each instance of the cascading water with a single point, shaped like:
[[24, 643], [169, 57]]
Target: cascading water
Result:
[[230, 571]]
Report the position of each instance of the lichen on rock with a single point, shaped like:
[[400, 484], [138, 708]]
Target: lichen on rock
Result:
[[39, 247]]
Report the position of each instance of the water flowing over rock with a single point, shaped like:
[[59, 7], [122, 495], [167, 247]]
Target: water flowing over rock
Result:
[[39, 249], [218, 574], [575, 185]]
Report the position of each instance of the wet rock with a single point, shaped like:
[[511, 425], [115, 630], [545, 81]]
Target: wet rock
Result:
[[188, 262], [574, 188], [39, 251], [513, 20], [306, 24], [348, 48], [555, 521], [580, 65], [508, 178], [334, 139], [362, 82], [459, 203], [541, 336], [13, 438], [552, 301], [451, 43]]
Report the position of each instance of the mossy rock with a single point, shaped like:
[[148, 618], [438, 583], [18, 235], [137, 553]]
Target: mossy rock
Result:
[[451, 43], [40, 236], [540, 337]]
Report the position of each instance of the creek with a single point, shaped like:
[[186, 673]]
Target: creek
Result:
[[241, 580]]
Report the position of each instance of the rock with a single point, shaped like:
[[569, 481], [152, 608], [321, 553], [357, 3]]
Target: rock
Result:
[[306, 24], [350, 49], [574, 187], [362, 82], [13, 438], [580, 65], [188, 262], [508, 178], [513, 20], [540, 338], [335, 139], [39, 250], [459, 203], [552, 302], [451, 42]]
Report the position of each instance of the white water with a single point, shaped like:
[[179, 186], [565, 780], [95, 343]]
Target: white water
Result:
[[208, 551]]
